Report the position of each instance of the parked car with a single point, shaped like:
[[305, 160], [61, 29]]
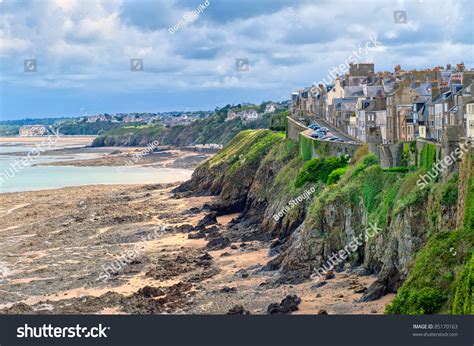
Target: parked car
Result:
[[329, 138], [322, 132], [333, 139], [324, 129], [315, 135], [314, 126], [340, 140]]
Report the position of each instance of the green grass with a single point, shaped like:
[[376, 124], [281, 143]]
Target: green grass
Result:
[[246, 148]]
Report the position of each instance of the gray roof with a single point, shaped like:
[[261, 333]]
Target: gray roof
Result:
[[374, 90], [351, 91]]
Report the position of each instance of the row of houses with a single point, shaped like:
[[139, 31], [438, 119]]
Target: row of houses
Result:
[[245, 115], [392, 107], [249, 115], [33, 130], [149, 118]]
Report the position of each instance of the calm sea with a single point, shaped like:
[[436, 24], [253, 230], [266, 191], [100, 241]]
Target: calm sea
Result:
[[52, 177]]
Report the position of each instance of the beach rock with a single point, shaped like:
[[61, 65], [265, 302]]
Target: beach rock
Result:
[[360, 289], [212, 232], [150, 292], [18, 308], [319, 284], [218, 243], [193, 210], [205, 258], [322, 312], [330, 275], [242, 273], [209, 219], [287, 305], [238, 310], [185, 228], [197, 235], [227, 289]]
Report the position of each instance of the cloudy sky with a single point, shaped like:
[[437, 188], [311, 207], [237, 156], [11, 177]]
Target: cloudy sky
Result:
[[83, 49]]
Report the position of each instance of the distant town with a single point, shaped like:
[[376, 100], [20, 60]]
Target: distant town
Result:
[[246, 112], [391, 107]]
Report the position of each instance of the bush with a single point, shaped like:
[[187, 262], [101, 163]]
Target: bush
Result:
[[336, 175], [367, 161], [319, 169], [370, 160], [427, 300]]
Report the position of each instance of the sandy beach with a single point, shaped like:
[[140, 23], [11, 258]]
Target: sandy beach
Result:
[[55, 249]]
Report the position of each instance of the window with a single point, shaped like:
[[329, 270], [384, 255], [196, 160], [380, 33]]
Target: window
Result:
[[470, 108]]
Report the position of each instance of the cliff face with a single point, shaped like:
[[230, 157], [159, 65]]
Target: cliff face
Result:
[[256, 174]]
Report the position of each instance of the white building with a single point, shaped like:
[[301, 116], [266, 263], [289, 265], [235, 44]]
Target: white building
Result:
[[469, 116], [270, 108], [32, 130]]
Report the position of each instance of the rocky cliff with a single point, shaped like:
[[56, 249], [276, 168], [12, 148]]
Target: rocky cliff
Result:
[[309, 218]]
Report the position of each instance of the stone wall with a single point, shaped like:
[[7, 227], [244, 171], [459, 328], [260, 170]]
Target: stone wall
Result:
[[390, 155], [295, 128], [311, 148], [451, 141]]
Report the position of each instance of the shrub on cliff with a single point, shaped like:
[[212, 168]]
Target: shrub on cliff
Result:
[[336, 175], [318, 170]]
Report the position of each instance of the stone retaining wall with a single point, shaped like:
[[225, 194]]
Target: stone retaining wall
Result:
[[294, 129]]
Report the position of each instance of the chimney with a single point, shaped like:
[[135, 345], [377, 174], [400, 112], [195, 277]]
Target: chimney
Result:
[[380, 102], [434, 90]]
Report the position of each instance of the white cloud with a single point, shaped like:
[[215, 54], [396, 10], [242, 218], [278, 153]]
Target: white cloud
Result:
[[88, 44]]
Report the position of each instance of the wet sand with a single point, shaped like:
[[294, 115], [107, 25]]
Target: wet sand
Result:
[[167, 157]]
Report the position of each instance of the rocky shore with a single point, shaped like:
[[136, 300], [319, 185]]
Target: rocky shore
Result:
[[185, 258]]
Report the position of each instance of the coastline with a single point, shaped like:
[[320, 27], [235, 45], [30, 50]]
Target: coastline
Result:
[[67, 239], [55, 249]]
